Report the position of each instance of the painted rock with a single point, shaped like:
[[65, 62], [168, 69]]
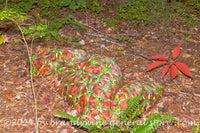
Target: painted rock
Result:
[[93, 86]]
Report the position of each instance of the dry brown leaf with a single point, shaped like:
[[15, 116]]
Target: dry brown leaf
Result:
[[186, 56], [78, 34], [8, 97], [175, 87], [13, 68]]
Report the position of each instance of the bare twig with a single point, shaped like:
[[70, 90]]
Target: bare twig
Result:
[[31, 76]]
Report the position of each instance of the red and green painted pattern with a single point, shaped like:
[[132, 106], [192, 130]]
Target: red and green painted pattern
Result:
[[93, 86], [53, 62]]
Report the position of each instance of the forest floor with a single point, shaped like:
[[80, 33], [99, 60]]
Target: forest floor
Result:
[[182, 99]]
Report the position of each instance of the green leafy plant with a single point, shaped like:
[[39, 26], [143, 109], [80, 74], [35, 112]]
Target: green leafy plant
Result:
[[51, 30], [111, 21], [49, 9], [18, 5], [128, 122], [94, 6], [132, 44], [154, 12], [197, 128], [122, 38], [194, 4], [12, 15], [73, 4], [120, 50], [173, 65], [78, 46], [135, 11]]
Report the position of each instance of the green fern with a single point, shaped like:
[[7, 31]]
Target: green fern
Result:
[[132, 110], [128, 121], [74, 120], [152, 123]]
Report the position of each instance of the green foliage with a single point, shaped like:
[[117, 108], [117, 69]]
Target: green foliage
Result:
[[18, 5], [128, 122], [190, 18], [51, 30], [73, 4], [122, 38], [132, 44], [78, 46], [194, 4], [132, 111], [50, 8], [94, 6], [12, 15], [154, 11], [120, 50], [111, 22], [197, 128], [135, 11]]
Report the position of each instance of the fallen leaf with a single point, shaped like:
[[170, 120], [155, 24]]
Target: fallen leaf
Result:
[[174, 71], [158, 57], [156, 64], [13, 68], [78, 34], [5, 38], [175, 87], [8, 97], [183, 68], [47, 99], [165, 70], [186, 56], [176, 52]]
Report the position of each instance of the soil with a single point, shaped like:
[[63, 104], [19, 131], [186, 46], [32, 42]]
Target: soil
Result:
[[182, 99]]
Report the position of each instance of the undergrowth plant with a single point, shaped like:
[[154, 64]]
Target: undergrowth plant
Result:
[[174, 66], [94, 6], [128, 123], [73, 4], [197, 128], [111, 21], [194, 4], [154, 12], [50, 30]]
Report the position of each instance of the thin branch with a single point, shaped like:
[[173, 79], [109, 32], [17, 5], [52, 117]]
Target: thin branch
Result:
[[31, 76]]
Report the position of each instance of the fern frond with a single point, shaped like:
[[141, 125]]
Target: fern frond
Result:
[[132, 111], [74, 120], [150, 125], [168, 118]]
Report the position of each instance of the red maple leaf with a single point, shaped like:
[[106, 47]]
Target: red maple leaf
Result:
[[158, 57], [172, 66], [156, 64], [165, 70], [176, 52], [183, 68], [174, 71]]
